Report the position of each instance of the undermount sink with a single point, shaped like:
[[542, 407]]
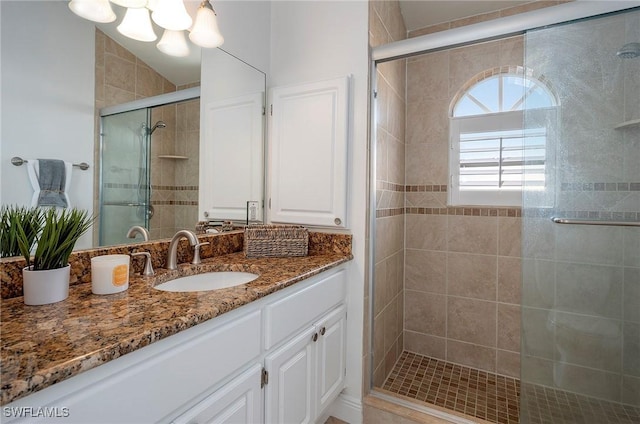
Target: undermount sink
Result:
[[207, 281]]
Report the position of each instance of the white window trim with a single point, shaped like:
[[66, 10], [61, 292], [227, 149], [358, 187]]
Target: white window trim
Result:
[[501, 121]]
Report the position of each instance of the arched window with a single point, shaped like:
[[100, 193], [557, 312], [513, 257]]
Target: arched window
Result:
[[493, 155]]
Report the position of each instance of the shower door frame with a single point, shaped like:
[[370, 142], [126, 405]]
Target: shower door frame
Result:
[[484, 31]]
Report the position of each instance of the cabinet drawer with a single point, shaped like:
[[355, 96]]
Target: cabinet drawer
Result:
[[288, 315]]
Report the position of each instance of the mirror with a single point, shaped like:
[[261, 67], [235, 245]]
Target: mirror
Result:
[[54, 83]]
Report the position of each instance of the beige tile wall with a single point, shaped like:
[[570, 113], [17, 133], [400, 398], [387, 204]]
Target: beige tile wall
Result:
[[386, 25], [122, 77], [175, 181], [462, 276]]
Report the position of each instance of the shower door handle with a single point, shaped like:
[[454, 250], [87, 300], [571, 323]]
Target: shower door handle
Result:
[[150, 211], [578, 221]]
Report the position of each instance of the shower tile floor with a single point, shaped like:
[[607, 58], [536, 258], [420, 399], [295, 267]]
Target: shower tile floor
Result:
[[495, 398], [470, 391]]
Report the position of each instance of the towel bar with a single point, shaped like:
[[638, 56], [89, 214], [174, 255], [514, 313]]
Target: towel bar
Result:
[[578, 221], [17, 161]]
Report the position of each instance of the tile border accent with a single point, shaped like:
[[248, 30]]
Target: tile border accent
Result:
[[625, 187], [386, 185], [153, 186], [466, 211], [442, 188], [386, 213], [173, 203], [601, 186]]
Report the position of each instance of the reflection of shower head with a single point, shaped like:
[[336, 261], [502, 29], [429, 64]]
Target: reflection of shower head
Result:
[[629, 51], [159, 124]]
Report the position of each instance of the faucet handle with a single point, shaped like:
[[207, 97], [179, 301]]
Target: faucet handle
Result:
[[196, 252], [148, 267]]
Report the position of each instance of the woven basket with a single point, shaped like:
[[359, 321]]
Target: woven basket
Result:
[[273, 241]]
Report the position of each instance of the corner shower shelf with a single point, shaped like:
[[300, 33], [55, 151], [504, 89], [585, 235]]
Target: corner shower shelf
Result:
[[628, 124], [175, 157]]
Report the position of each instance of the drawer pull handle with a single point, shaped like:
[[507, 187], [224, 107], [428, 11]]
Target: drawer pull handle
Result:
[[314, 337], [322, 331]]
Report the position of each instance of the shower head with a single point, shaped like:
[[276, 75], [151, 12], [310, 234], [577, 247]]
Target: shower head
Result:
[[629, 51], [159, 124]]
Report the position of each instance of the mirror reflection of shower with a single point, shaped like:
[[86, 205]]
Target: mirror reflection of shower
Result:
[[159, 124], [149, 178], [145, 209]]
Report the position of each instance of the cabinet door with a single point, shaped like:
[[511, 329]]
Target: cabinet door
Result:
[[331, 357], [309, 137], [289, 395], [238, 402], [231, 158]]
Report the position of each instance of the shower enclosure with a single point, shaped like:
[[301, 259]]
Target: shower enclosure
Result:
[[149, 161], [125, 194], [512, 313]]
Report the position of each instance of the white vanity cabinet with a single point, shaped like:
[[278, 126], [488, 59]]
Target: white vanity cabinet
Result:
[[307, 372], [237, 402], [231, 369], [309, 153], [150, 384]]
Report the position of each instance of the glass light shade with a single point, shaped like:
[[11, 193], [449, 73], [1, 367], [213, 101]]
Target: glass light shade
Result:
[[205, 32], [136, 24], [152, 5], [93, 10], [173, 43], [130, 3], [172, 15]]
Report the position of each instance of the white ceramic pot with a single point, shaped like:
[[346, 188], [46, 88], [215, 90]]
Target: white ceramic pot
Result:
[[45, 286]]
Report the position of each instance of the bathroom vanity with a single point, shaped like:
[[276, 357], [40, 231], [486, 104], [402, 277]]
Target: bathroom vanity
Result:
[[272, 350]]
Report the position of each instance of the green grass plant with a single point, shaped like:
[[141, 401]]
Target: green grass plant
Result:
[[12, 219], [60, 232]]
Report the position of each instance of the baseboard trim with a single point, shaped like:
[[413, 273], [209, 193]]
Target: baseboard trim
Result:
[[347, 408]]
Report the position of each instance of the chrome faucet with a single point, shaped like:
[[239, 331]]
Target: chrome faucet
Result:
[[136, 229], [172, 255]]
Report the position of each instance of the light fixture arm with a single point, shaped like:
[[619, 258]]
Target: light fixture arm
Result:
[[207, 4]]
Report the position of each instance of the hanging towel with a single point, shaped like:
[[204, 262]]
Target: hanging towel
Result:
[[50, 180]]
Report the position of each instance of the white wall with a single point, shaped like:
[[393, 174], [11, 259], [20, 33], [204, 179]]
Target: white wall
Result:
[[317, 40], [245, 27], [41, 119]]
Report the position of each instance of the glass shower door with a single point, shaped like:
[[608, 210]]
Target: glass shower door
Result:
[[125, 178], [580, 353]]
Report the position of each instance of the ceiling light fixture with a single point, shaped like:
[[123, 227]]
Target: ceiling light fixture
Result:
[[205, 31], [136, 24], [170, 15], [173, 43], [93, 10], [130, 3]]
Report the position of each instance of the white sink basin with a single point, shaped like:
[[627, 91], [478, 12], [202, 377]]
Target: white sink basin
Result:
[[207, 281]]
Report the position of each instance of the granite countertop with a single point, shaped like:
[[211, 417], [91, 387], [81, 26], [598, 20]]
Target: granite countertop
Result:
[[43, 345]]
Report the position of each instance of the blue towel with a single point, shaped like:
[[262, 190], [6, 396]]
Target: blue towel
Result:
[[52, 180]]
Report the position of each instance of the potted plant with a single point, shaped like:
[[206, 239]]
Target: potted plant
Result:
[[46, 276], [12, 218]]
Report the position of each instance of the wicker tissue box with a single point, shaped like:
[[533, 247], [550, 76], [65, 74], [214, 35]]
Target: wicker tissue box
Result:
[[272, 241]]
